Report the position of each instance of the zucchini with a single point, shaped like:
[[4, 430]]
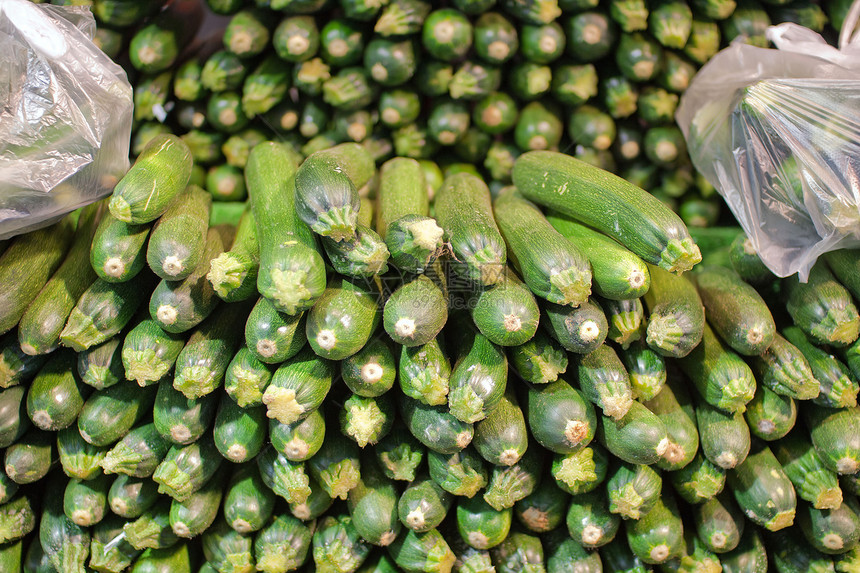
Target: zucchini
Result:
[[788, 551], [337, 545], [248, 503], [16, 367], [835, 434], [239, 433], [85, 501], [464, 210], [813, 481], [159, 174], [177, 557], [502, 438], [735, 311], [149, 353], [606, 203], [179, 306], [282, 545], [633, 490], [626, 321], [719, 523], [435, 427], [616, 556], [582, 471], [109, 414], [725, 438], [519, 552], [822, 308], [107, 556], [658, 535], [552, 266], [247, 379], [299, 386], [364, 256], [226, 549], [699, 480], [103, 311], [18, 519], [423, 373], [138, 453], [196, 514], [462, 473], [296, 38], [300, 440], [316, 504], [746, 262], [182, 420], [784, 369], [40, 326], [543, 510], [509, 484], [292, 272], [367, 420], [539, 360], [750, 555], [426, 552], [837, 388], [337, 465], [371, 371], [480, 525], [12, 556], [603, 380], [647, 370], [831, 531], [676, 315], [559, 417], [769, 415], [373, 505], [177, 242], [233, 273], [479, 376], [343, 319], [273, 336], [762, 490], [129, 497], [538, 126], [580, 330], [185, 469], [672, 405], [589, 521], [400, 454], [289, 480], [56, 395], [416, 312], [203, 362], [639, 437], [101, 366], [78, 458], [65, 543], [719, 375], [13, 413]]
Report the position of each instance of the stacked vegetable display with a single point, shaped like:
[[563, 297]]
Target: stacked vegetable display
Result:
[[389, 358]]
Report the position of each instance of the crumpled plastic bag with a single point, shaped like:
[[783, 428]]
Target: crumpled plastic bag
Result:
[[777, 132], [65, 115]]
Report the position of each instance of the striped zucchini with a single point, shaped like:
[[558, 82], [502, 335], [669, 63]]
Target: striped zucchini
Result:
[[479, 375], [540, 360], [813, 481], [647, 370], [462, 473], [672, 405], [186, 469], [117, 253], [273, 336], [177, 242], [239, 433], [56, 395], [343, 319], [719, 523], [416, 312], [182, 420], [769, 415], [822, 307], [423, 373], [149, 353], [580, 330], [762, 490], [676, 315], [626, 319], [247, 379], [109, 414], [101, 366], [835, 434]]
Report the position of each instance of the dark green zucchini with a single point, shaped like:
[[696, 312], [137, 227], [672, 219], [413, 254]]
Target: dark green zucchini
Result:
[[30, 458], [831, 531], [616, 556], [16, 367], [463, 473], [101, 366], [343, 319], [18, 518], [176, 244], [416, 312], [658, 535], [543, 510], [502, 438], [233, 273], [316, 504], [784, 369], [300, 440], [416, 552], [509, 484], [289, 480], [178, 557], [182, 420], [725, 438], [400, 454], [109, 551], [364, 256], [129, 497], [843, 263], [769, 415], [539, 127], [248, 503], [337, 465], [762, 490], [822, 307], [480, 525], [186, 469], [56, 395], [647, 370], [423, 373], [239, 433], [14, 420], [227, 549], [435, 427], [639, 437], [559, 417], [196, 514], [78, 458], [589, 520], [835, 434], [580, 330], [274, 336], [719, 523], [367, 420], [746, 262], [298, 386], [109, 414], [423, 505], [507, 314], [247, 378], [149, 353], [789, 551], [837, 388], [676, 317], [699, 480], [138, 453], [812, 480], [604, 381], [626, 320], [371, 371], [540, 360], [750, 555], [337, 545], [672, 405], [282, 545], [65, 543], [633, 490], [85, 501], [580, 472], [373, 505]]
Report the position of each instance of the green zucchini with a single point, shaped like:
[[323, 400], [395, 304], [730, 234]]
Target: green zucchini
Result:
[[159, 174], [18, 518], [247, 378], [762, 490], [538, 127], [13, 413], [282, 545], [106, 552], [287, 479], [582, 471], [769, 415], [835, 434], [658, 535], [435, 427], [746, 262], [367, 420], [617, 556], [479, 375], [789, 551], [416, 312], [463, 208], [177, 558], [400, 454], [56, 395], [226, 549], [604, 381], [423, 373], [676, 315], [735, 311], [371, 371], [337, 465], [501, 438], [673, 406], [843, 264], [509, 484], [725, 438], [177, 242], [316, 504], [12, 556], [426, 552], [822, 308], [719, 523], [65, 543], [109, 414], [296, 38], [101, 366], [272, 336], [129, 497], [580, 330], [785, 370], [559, 417], [813, 481], [652, 231], [480, 525], [837, 388], [299, 386], [539, 360], [750, 555], [40, 326], [363, 257], [248, 503], [103, 311], [462, 473], [699, 480], [552, 266], [639, 437], [831, 531], [300, 440], [78, 458], [633, 490], [138, 453], [179, 306], [149, 353], [589, 520], [85, 501], [647, 370], [626, 320], [239, 433], [196, 514], [343, 319], [179, 419], [185, 469], [719, 375], [292, 272], [543, 510], [233, 273], [337, 545], [373, 505], [423, 504], [16, 367]]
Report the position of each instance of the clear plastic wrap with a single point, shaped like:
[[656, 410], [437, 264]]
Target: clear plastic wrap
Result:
[[65, 115], [777, 132]]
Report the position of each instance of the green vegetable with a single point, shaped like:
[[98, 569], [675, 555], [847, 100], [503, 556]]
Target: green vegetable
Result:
[[65, 543], [129, 497], [343, 319], [812, 480], [186, 469], [672, 405], [78, 458], [56, 395], [239, 433], [762, 489], [426, 552], [298, 386], [769, 415], [149, 353], [725, 438], [589, 520], [559, 418], [626, 322], [580, 330], [582, 471], [109, 414], [462, 473], [837, 389], [85, 502], [179, 419], [659, 534], [834, 436], [822, 308], [784, 369], [138, 453], [639, 437], [367, 420], [719, 523], [196, 514]]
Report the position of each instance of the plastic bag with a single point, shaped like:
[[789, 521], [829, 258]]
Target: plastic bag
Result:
[[777, 132], [65, 115]]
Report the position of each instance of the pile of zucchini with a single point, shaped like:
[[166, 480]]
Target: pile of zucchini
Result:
[[399, 286]]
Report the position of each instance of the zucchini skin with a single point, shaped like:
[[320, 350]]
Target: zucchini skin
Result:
[[109, 414], [138, 453], [658, 535], [673, 406], [298, 386], [540, 360], [186, 469], [14, 420], [177, 242], [502, 437], [479, 375], [676, 318], [609, 204], [639, 437], [344, 302], [589, 520], [149, 353], [272, 336], [559, 417], [604, 381], [769, 415], [762, 490], [837, 388], [371, 371], [579, 330], [831, 531], [56, 395], [835, 434], [233, 273], [784, 369], [813, 481], [435, 427], [423, 504], [719, 523], [462, 473], [17, 367], [507, 314], [101, 366], [416, 312], [750, 555], [822, 307], [239, 433], [724, 437], [179, 419], [373, 505], [464, 210]]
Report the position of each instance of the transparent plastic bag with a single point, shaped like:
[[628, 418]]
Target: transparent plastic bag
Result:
[[65, 115], [777, 132]]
